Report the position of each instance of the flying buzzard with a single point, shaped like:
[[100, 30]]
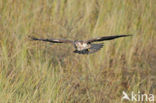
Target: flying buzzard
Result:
[[83, 47]]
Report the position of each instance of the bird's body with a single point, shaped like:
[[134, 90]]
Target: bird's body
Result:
[[83, 47], [80, 45]]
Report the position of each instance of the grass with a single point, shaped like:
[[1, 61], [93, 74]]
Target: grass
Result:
[[38, 72]]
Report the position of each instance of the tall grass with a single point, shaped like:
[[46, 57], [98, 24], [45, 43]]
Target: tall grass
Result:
[[38, 72]]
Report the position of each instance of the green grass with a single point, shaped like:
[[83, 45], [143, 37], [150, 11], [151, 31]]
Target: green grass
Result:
[[38, 72]]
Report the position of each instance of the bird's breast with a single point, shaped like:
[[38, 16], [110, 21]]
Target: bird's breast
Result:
[[82, 46]]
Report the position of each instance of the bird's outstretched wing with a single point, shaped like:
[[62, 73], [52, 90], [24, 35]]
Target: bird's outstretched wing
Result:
[[106, 38], [52, 40]]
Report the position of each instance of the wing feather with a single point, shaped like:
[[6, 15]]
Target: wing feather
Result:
[[53, 40], [106, 38]]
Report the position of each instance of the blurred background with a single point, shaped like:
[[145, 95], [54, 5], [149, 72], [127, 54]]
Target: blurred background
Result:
[[40, 72]]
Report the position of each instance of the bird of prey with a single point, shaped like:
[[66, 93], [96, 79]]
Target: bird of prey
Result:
[[83, 47]]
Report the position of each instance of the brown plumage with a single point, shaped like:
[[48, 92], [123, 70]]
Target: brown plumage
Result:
[[83, 47]]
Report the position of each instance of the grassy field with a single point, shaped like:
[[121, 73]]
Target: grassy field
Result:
[[39, 72]]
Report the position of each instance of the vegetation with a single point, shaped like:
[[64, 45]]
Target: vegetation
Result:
[[39, 72]]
